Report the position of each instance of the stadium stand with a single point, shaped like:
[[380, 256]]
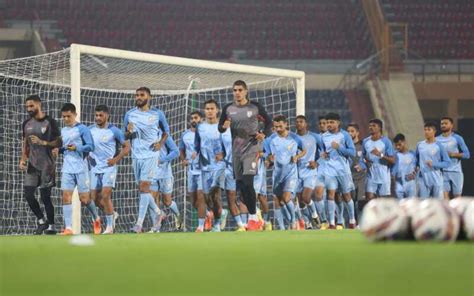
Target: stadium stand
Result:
[[214, 29], [436, 29]]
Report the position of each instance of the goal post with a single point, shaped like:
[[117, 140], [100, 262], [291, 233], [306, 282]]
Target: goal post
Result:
[[88, 75]]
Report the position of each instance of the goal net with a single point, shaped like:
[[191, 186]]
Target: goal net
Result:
[[88, 76]]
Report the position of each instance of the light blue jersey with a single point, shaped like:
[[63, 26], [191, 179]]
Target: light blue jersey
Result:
[[106, 141], [260, 179], [168, 152], [337, 162], [285, 172], [226, 139], [404, 171], [75, 162], [453, 176], [208, 143], [431, 179], [454, 143], [312, 144], [148, 127], [229, 180], [379, 170], [186, 144]]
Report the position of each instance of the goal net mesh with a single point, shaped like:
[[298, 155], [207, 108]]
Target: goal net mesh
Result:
[[177, 90]]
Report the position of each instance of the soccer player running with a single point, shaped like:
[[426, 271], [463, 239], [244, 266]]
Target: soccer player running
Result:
[[189, 159], [162, 185], [321, 195], [404, 169], [147, 130], [431, 158], [242, 117], [40, 136], [103, 160], [208, 145], [307, 166], [456, 147], [77, 143], [286, 149], [358, 169], [379, 155], [338, 148]]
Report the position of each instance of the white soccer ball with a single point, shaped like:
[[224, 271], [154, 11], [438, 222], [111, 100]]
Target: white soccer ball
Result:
[[384, 219], [435, 220], [459, 205], [468, 218], [410, 205]]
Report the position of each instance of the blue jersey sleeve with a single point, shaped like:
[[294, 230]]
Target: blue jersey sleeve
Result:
[[87, 140], [348, 149], [125, 125], [445, 161], [266, 146], [125, 122], [173, 152], [462, 146], [394, 168], [181, 145], [319, 145], [118, 134], [389, 151], [164, 126]]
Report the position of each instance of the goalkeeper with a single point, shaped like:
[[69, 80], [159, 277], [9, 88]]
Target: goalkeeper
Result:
[[242, 117], [40, 136]]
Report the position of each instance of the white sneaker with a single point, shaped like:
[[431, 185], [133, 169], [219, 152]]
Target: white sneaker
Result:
[[108, 230], [154, 230]]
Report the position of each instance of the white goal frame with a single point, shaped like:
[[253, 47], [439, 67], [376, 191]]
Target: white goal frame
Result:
[[75, 71]]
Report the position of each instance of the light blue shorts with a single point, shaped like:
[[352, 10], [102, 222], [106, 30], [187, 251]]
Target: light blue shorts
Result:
[[70, 181], [453, 182], [211, 179], [105, 179], [194, 182], [380, 189], [343, 183], [287, 184], [260, 182], [145, 169], [308, 182], [405, 189], [320, 180], [426, 191], [229, 181], [164, 185]]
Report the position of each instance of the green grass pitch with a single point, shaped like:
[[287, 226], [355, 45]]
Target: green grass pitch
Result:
[[265, 263]]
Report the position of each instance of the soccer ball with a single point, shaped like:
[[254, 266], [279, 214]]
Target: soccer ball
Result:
[[435, 220], [384, 219], [460, 205], [410, 206], [468, 218]]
